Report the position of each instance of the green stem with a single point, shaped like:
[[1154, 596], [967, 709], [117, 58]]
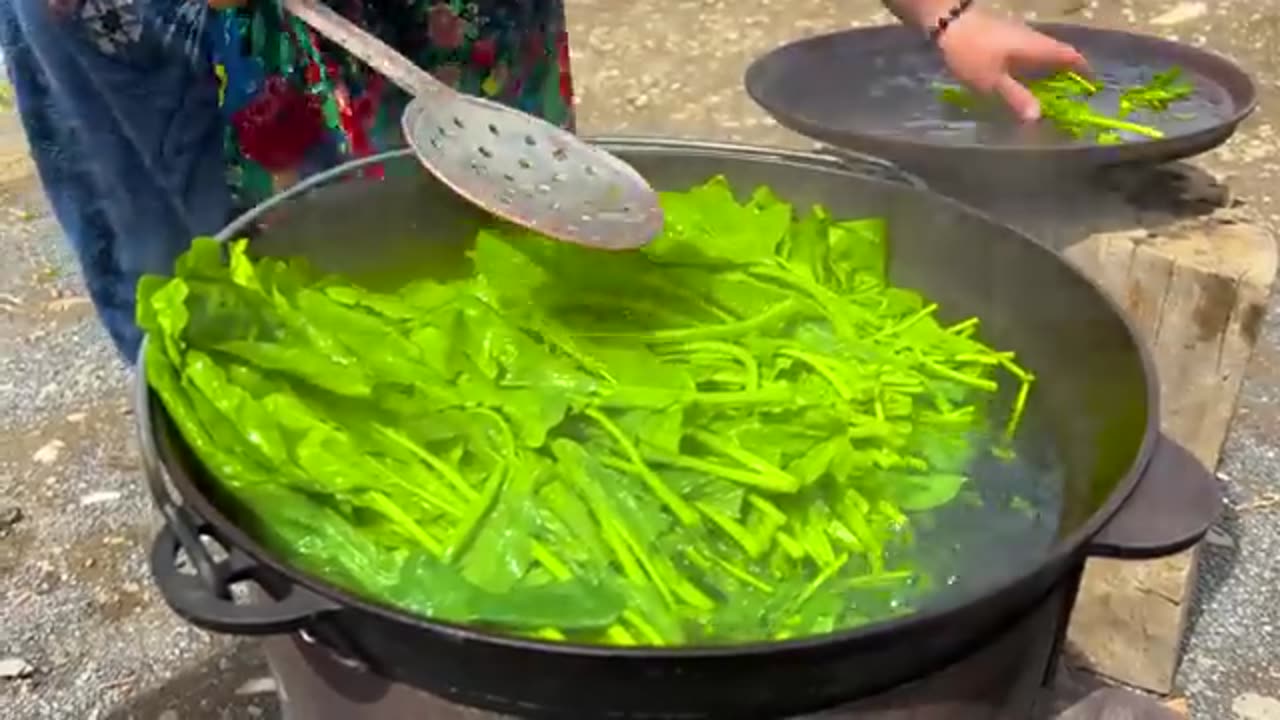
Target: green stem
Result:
[[818, 366], [677, 504], [614, 537], [1019, 407], [1113, 124], [981, 358], [790, 546], [599, 300], [742, 477], [553, 564], [437, 496], [965, 379], [833, 306], [768, 508], [732, 528], [467, 527], [750, 368], [908, 322], [661, 282], [857, 522], [401, 518], [964, 326], [880, 578], [647, 631], [765, 396], [440, 466], [823, 576], [1006, 361], [707, 332], [729, 450], [549, 633], [651, 569], [619, 635], [741, 574], [1088, 86]]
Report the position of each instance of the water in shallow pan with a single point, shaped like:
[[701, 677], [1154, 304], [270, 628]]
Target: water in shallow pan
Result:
[[900, 99]]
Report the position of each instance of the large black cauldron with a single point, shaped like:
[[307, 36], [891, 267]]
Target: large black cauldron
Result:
[[1129, 491]]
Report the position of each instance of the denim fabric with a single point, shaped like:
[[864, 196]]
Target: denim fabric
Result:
[[111, 90]]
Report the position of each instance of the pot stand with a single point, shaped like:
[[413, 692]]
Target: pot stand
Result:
[[1009, 679]]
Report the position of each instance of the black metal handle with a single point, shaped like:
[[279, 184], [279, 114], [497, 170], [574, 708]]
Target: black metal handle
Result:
[[212, 607], [204, 597], [157, 481], [1173, 505], [834, 158]]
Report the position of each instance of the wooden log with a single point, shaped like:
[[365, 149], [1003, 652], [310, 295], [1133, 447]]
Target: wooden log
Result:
[[1194, 272], [1198, 291]]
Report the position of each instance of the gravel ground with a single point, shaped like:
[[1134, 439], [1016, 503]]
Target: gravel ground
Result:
[[1231, 668], [85, 631]]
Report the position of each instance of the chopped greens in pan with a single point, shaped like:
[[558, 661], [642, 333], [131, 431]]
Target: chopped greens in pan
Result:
[[1065, 101], [726, 437]]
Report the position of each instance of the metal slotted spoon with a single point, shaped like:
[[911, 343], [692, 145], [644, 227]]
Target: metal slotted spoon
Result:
[[511, 164]]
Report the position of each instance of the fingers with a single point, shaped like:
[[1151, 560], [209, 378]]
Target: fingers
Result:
[[1063, 55], [1044, 52], [1040, 52], [1018, 98], [1075, 60]]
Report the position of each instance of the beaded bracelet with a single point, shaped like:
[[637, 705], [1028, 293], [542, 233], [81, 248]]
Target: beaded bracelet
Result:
[[952, 15]]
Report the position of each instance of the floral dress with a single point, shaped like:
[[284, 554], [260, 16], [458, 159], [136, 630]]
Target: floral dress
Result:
[[294, 103], [154, 121]]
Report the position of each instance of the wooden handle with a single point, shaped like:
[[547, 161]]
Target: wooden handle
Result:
[[377, 54]]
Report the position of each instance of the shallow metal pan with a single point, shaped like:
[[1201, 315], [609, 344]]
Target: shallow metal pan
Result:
[[872, 90]]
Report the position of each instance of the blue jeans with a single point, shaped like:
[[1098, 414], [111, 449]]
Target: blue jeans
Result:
[[121, 112]]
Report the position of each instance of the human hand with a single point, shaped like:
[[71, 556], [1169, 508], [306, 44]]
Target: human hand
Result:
[[985, 51]]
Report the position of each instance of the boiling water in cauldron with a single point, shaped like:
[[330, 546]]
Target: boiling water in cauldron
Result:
[[905, 86], [1002, 524]]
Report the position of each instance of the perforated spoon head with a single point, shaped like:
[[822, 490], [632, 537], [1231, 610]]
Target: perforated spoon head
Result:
[[532, 173], [516, 166]]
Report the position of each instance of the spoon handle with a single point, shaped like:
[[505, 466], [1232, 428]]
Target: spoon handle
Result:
[[377, 54]]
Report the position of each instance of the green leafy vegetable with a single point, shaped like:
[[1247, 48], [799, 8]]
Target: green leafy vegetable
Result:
[[722, 438], [1065, 100], [1164, 89]]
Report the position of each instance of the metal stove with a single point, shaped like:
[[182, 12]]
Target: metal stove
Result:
[[1008, 679]]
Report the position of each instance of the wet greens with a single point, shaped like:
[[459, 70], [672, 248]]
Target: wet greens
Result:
[[1065, 102], [719, 439]]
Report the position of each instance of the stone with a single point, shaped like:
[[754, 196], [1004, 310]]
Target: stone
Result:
[[257, 686], [49, 452], [15, 668], [10, 515], [1252, 706], [1181, 13]]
